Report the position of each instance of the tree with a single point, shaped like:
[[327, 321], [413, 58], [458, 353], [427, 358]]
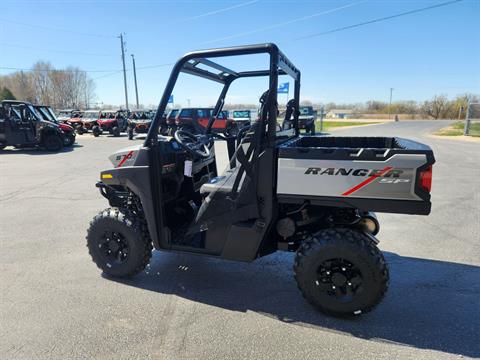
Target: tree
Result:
[[436, 108], [6, 94]]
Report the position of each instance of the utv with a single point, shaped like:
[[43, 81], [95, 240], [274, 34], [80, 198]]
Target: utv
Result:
[[87, 121], [139, 122], [195, 121], [47, 114], [310, 195], [21, 126], [307, 118], [242, 117], [67, 114], [113, 121]]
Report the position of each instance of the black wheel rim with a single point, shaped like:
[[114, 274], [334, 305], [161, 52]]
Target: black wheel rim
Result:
[[114, 247], [339, 279]]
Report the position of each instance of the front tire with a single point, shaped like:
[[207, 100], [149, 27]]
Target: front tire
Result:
[[118, 243], [53, 143], [96, 131], [341, 272]]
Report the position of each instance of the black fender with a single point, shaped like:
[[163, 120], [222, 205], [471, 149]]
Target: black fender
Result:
[[137, 180]]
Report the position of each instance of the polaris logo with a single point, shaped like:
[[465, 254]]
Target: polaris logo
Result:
[[354, 172]]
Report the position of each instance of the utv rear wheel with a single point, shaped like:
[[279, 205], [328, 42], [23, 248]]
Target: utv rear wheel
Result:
[[118, 243], [116, 131], [79, 130], [341, 272], [53, 143]]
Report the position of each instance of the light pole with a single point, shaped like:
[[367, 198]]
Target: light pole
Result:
[[124, 71], [135, 79], [390, 104]]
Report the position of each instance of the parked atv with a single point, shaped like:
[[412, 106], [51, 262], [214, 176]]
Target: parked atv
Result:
[[112, 121], [21, 126], [242, 117], [195, 121], [89, 121], [47, 114], [307, 118], [310, 195], [139, 122]]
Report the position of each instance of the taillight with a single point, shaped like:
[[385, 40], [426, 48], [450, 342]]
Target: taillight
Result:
[[426, 179]]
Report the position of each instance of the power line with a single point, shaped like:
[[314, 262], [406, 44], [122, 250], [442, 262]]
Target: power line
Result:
[[214, 12], [47, 28], [274, 26], [377, 20], [53, 50]]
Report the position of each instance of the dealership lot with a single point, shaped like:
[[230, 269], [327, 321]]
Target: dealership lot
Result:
[[55, 303]]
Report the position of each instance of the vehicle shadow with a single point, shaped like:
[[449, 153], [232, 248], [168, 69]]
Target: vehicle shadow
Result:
[[37, 151], [430, 305]]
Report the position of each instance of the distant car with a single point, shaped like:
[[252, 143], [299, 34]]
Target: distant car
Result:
[[307, 118], [114, 121], [195, 121], [47, 114], [242, 117], [139, 122]]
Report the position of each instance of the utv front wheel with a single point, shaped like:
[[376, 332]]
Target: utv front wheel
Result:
[[119, 243], [96, 131], [53, 143], [341, 272]]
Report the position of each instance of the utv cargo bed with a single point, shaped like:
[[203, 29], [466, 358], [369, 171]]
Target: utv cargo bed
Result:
[[383, 174]]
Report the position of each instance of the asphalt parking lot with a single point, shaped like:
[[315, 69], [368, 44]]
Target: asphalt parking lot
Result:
[[56, 304]]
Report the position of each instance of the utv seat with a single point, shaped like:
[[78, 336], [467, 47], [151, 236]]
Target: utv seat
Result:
[[223, 183]]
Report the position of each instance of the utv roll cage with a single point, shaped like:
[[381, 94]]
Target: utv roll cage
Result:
[[189, 64]]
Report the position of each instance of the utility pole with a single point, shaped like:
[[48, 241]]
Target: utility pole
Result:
[[124, 71], [135, 79], [390, 104]]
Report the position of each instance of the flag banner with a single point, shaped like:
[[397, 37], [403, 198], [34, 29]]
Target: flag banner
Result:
[[170, 99], [283, 88]]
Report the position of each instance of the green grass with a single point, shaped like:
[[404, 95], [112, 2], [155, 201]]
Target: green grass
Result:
[[328, 125], [457, 129]]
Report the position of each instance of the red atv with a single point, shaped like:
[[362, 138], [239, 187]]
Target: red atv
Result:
[[113, 121], [71, 117], [195, 121], [47, 114]]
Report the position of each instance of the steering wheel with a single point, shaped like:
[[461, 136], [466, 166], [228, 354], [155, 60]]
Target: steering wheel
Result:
[[193, 144]]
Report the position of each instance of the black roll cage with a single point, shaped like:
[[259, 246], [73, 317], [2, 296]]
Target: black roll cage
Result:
[[279, 65]]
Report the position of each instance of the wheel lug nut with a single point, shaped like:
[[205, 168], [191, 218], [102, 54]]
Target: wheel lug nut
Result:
[[328, 272], [349, 284], [344, 269], [333, 287]]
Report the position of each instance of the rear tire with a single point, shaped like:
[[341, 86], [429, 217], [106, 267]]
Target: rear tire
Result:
[[53, 143], [341, 272], [80, 130], [116, 131], [118, 243]]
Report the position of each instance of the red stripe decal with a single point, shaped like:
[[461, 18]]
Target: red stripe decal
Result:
[[125, 158], [367, 181]]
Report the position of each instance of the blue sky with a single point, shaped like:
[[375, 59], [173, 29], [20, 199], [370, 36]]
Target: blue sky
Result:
[[419, 55]]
